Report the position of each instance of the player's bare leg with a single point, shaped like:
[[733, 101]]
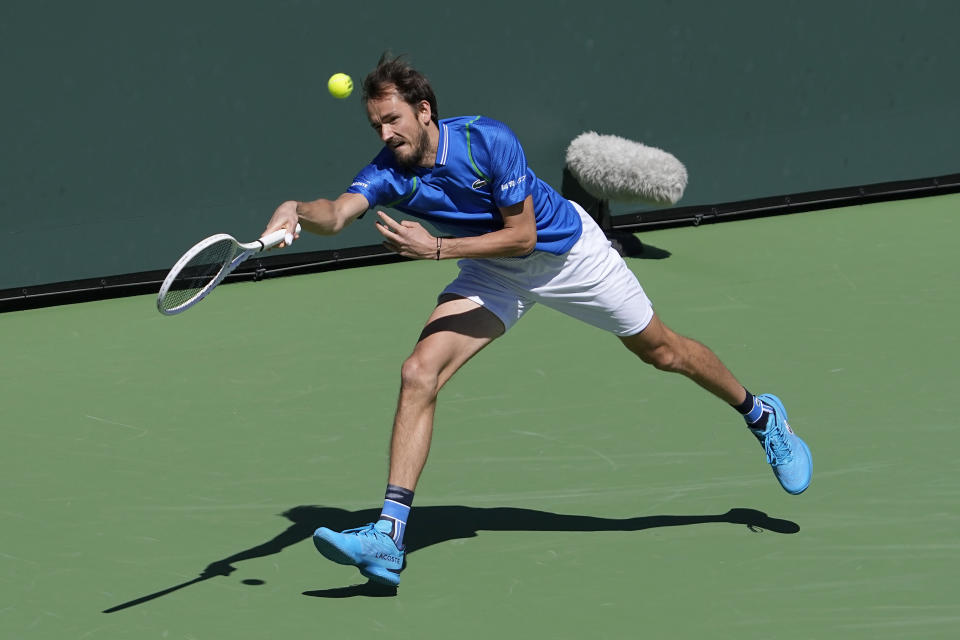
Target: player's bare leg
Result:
[[667, 350], [456, 331], [787, 454]]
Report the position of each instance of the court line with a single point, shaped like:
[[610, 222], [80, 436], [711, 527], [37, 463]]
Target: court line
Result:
[[613, 465], [141, 430]]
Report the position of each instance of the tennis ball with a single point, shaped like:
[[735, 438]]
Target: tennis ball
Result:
[[340, 85]]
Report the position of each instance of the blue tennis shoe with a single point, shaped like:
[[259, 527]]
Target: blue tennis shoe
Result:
[[369, 548], [787, 454]]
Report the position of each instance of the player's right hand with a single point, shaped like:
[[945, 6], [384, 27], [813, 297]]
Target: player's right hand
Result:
[[285, 217]]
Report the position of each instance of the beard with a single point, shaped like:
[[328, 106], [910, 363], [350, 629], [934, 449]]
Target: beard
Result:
[[416, 152]]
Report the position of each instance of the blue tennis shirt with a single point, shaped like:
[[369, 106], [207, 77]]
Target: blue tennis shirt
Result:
[[480, 166]]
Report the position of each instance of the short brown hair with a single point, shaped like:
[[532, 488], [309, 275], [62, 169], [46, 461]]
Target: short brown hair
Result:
[[410, 84]]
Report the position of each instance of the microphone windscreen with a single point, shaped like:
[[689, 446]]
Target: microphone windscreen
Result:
[[614, 168]]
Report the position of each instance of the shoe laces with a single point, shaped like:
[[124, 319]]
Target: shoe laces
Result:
[[366, 530], [775, 443]]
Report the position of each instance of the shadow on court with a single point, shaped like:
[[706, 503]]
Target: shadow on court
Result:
[[435, 524], [629, 246]]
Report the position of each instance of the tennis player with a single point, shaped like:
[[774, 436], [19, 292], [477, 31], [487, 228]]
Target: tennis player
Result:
[[519, 243]]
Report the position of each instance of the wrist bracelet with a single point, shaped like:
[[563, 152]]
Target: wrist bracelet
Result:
[[439, 240]]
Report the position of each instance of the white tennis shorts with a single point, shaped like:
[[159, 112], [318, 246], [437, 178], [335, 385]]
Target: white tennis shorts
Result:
[[591, 282]]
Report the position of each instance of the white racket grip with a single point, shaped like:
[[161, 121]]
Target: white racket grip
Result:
[[280, 235]]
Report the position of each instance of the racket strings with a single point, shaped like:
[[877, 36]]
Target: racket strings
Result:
[[198, 272]]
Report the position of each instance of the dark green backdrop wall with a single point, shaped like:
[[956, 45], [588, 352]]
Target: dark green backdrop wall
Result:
[[131, 129]]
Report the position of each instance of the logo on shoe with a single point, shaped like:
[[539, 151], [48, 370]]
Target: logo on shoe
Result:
[[388, 558], [786, 425]]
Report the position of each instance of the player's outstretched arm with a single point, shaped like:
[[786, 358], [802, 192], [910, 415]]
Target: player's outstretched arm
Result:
[[325, 217]]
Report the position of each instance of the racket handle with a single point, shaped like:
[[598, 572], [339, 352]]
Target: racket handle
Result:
[[273, 239]]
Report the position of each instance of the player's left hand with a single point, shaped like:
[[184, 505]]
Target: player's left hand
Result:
[[408, 238]]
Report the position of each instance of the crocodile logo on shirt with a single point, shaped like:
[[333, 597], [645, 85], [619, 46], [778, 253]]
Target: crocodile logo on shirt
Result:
[[479, 184]]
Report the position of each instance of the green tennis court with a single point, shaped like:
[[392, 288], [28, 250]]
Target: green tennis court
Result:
[[162, 476]]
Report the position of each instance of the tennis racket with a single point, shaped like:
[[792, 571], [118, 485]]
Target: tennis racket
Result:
[[205, 266]]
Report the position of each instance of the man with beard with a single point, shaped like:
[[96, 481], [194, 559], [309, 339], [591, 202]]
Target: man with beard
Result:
[[519, 243]]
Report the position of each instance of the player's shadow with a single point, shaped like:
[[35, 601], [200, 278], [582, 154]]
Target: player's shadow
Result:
[[435, 524]]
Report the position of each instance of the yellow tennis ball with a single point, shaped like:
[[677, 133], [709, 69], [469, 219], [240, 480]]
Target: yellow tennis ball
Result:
[[340, 85]]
